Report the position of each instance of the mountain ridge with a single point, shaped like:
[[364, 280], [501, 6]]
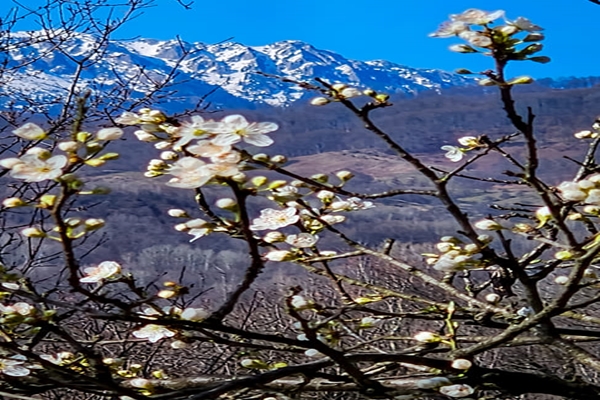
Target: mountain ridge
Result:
[[234, 73]]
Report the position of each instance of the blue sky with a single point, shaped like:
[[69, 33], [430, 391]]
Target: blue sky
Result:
[[393, 30]]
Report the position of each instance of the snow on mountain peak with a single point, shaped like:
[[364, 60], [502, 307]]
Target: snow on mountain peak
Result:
[[234, 67]]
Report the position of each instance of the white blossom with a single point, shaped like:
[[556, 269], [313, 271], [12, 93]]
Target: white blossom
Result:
[[194, 314], [301, 240], [104, 270], [153, 333], [459, 390], [206, 148], [453, 153], [235, 128], [12, 367], [525, 24], [195, 129], [189, 173], [474, 16], [476, 38], [274, 219], [449, 29], [33, 169], [571, 191]]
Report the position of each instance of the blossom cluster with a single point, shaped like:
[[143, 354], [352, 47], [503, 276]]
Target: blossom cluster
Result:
[[198, 151], [473, 26], [456, 255], [341, 91], [585, 191], [455, 153]]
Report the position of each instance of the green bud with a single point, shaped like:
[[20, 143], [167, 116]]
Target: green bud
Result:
[[109, 156], [521, 80], [534, 37], [47, 200], [463, 71], [83, 136], [540, 59], [259, 181], [369, 92], [382, 98], [277, 184], [95, 162], [321, 178]]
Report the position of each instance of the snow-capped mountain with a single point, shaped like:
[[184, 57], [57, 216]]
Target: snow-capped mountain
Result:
[[229, 69]]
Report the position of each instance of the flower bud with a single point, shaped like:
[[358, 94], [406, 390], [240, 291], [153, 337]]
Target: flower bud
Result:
[[344, 176], [564, 255], [427, 337], [382, 97], [109, 134], [274, 237], [463, 71], [261, 157], [239, 177], [92, 224], [47, 200], [338, 87], [109, 156], [166, 294], [69, 147], [492, 298], [30, 131], [227, 204], [561, 280], [521, 80], [488, 225], [583, 134], [162, 145], [461, 363], [254, 363], [462, 48], [507, 30], [534, 37], [277, 184], [349, 93], [144, 136], [168, 155], [95, 162], [33, 232], [259, 181], [319, 101], [486, 82], [13, 202], [140, 383], [279, 255], [177, 213], [279, 159], [369, 92], [83, 136]]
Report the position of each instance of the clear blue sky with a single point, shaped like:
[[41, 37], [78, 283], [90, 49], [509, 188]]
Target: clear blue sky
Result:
[[393, 30]]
